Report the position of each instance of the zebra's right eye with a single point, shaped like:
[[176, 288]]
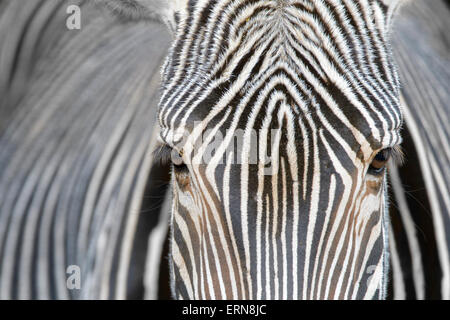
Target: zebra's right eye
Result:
[[179, 166], [180, 169], [167, 155], [164, 154], [177, 158]]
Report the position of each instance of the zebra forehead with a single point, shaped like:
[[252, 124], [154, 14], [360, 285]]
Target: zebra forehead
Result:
[[312, 55]]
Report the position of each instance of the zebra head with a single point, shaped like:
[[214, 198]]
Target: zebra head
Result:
[[280, 117]]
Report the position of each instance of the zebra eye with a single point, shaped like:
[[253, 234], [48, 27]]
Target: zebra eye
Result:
[[379, 162], [179, 166], [177, 158], [167, 155]]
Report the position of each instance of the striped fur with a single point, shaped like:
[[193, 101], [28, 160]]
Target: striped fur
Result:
[[319, 73], [209, 201]]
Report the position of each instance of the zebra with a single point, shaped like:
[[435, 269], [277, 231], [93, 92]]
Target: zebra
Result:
[[319, 73], [219, 71], [104, 256]]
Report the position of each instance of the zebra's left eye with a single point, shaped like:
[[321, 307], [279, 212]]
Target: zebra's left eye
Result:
[[379, 162], [381, 159]]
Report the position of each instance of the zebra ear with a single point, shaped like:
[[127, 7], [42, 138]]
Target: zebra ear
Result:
[[166, 11], [392, 8]]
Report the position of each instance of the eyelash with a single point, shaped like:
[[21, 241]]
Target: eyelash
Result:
[[164, 155]]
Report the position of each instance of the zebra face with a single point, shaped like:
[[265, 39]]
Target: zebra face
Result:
[[280, 116]]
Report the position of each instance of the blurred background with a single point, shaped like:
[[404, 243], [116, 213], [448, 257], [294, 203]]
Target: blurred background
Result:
[[77, 128]]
